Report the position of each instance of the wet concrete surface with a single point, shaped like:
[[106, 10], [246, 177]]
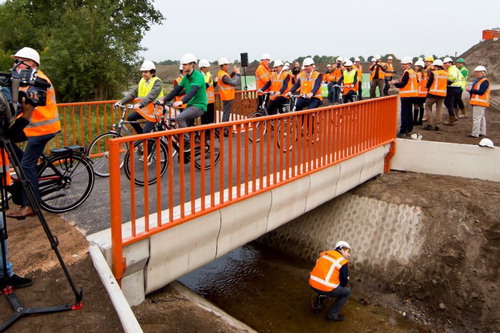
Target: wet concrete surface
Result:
[[268, 290]]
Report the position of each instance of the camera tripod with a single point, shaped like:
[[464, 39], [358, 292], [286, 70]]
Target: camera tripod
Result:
[[19, 310]]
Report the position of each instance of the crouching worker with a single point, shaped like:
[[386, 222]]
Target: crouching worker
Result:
[[329, 278]]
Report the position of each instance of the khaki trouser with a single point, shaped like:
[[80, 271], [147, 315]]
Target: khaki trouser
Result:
[[478, 121], [429, 102]]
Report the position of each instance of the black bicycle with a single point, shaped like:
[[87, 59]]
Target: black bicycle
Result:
[[65, 179], [153, 157]]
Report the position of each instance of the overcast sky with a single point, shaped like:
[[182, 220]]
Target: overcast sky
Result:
[[288, 29]]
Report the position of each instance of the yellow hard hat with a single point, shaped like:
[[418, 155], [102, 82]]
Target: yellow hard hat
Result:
[[429, 58]]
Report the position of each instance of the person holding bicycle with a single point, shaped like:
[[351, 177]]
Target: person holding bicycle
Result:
[[309, 83], [149, 89], [350, 79], [43, 126], [194, 85], [279, 84]]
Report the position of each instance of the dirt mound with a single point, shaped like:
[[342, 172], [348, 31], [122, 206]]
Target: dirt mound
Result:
[[484, 53], [456, 278]]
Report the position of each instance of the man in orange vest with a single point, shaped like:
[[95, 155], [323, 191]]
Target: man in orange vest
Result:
[[479, 100], [309, 82], [436, 85], [209, 116], [378, 75], [389, 72], [279, 85], [7, 276], [262, 75], [334, 92], [226, 85], [350, 79], [408, 91], [43, 126], [149, 89], [329, 278]]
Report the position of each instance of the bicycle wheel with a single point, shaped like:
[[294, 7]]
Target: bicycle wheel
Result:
[[202, 159], [98, 153], [257, 130], [65, 182], [288, 134], [140, 163]]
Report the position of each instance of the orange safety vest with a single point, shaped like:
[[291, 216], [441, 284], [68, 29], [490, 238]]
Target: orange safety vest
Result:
[[45, 119], [176, 82], [390, 67], [226, 91], [411, 87], [349, 81], [210, 88], [326, 77], [439, 84], [307, 84], [422, 84], [262, 75], [381, 73], [336, 74], [325, 275], [4, 179], [480, 100], [277, 83], [359, 69]]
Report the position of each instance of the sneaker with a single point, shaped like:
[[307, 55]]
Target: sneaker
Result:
[[16, 282]]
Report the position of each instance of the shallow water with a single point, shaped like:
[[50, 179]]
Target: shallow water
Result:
[[269, 291]]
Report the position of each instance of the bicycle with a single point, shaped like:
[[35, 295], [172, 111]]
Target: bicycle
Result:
[[289, 127], [203, 152], [340, 99], [98, 151], [65, 180], [261, 112]]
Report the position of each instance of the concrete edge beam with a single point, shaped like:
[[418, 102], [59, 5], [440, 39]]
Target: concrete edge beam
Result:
[[127, 318]]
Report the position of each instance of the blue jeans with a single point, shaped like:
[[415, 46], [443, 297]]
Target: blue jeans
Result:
[[29, 159], [341, 294], [9, 265], [330, 91], [310, 103]]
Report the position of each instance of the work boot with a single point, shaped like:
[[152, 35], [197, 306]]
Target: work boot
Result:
[[451, 121], [16, 282], [21, 213]]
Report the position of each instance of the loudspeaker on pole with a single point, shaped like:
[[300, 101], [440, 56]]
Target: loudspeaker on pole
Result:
[[244, 59]]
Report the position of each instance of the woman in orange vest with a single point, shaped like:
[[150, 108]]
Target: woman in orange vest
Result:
[[329, 278], [480, 100], [43, 126], [436, 86], [408, 90], [418, 106]]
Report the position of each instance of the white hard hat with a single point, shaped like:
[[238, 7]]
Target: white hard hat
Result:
[[147, 65], [308, 62], [27, 53], [389, 57], [348, 62], [486, 143], [223, 61], [286, 66], [188, 58], [377, 57], [265, 56], [203, 63], [437, 62], [341, 244], [480, 69], [328, 65], [406, 60], [357, 59], [277, 63], [339, 59], [447, 59], [420, 63]]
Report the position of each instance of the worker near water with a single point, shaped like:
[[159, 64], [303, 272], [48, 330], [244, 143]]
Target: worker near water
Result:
[[149, 89], [359, 68], [209, 116], [195, 99], [279, 85], [459, 102], [389, 72], [262, 75], [350, 79], [378, 76], [453, 90], [329, 278], [436, 94], [226, 84], [309, 83], [408, 90], [44, 125], [479, 100]]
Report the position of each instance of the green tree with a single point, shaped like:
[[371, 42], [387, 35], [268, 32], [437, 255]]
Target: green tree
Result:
[[87, 47]]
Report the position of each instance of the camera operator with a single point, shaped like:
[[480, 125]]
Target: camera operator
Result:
[[20, 123], [43, 126]]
